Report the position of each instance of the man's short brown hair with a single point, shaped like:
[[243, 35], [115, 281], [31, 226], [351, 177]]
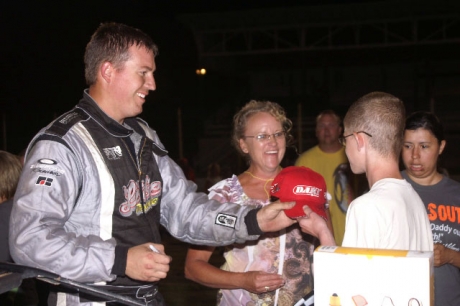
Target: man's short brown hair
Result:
[[111, 43]]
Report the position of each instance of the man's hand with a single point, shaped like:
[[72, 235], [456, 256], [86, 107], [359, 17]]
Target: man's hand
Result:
[[316, 226], [271, 218], [261, 282], [146, 265]]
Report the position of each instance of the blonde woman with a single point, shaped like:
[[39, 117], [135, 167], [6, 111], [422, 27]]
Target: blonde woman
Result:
[[276, 269]]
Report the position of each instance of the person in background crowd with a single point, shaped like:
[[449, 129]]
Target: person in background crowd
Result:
[[213, 175], [423, 144], [10, 170], [187, 169], [98, 183], [329, 159], [391, 215], [277, 268]]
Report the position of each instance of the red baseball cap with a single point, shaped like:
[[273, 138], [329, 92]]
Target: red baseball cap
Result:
[[303, 186]]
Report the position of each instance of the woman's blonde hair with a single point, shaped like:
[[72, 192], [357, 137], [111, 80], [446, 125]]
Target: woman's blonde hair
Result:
[[254, 107]]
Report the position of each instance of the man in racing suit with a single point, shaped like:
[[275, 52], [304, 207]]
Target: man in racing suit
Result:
[[97, 183]]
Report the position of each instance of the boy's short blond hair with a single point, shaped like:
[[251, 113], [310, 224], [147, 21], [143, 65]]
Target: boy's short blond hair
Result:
[[382, 115]]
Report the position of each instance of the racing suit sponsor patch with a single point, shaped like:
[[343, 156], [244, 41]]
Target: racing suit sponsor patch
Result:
[[226, 220], [47, 161], [113, 153], [43, 169], [151, 191], [69, 117], [44, 181]]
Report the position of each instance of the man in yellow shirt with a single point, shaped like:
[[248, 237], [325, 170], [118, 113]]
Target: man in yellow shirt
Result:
[[329, 159]]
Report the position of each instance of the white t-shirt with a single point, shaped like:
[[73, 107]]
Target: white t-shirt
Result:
[[390, 216]]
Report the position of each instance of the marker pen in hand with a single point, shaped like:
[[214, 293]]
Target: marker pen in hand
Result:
[[154, 249]]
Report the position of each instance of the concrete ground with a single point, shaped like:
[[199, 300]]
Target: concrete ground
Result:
[[175, 288]]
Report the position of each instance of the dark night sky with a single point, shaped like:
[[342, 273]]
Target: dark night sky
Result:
[[41, 59]]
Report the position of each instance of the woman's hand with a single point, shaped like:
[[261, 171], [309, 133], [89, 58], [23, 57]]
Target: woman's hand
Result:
[[260, 282]]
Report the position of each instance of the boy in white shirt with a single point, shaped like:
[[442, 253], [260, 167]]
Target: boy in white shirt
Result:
[[391, 215]]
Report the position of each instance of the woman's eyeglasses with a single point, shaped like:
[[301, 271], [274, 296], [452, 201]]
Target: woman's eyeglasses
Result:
[[267, 137]]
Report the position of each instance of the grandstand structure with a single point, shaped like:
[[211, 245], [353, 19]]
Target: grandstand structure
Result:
[[310, 58]]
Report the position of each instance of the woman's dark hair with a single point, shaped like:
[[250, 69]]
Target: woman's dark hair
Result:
[[427, 121]]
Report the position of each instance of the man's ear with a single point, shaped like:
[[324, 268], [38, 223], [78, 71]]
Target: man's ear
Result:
[[106, 71]]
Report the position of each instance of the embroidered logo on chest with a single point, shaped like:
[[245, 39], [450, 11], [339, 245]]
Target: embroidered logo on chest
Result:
[[113, 153], [151, 192]]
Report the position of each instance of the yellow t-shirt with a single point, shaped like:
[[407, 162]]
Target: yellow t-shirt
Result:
[[335, 169]]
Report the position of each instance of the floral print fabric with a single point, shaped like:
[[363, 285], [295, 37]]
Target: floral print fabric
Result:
[[264, 255]]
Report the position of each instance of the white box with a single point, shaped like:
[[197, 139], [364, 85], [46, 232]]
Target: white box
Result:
[[357, 277]]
